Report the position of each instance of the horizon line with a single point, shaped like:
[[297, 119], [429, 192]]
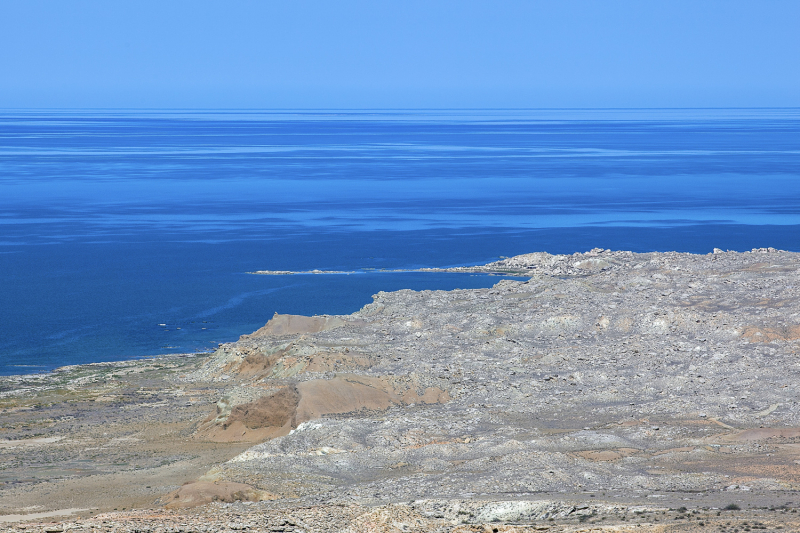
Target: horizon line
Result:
[[367, 109]]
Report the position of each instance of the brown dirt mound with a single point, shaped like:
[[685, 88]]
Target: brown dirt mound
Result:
[[342, 395], [200, 493], [276, 410], [756, 334], [276, 415], [296, 324], [266, 418], [348, 393]]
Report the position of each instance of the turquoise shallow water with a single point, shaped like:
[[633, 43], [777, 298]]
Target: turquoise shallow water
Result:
[[114, 223]]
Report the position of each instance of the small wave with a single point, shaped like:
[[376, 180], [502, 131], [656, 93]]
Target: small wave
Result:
[[236, 301]]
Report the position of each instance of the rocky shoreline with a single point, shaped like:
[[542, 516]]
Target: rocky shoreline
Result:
[[601, 388]]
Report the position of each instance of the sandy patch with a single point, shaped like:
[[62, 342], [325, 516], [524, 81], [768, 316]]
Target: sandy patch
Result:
[[295, 324], [29, 442], [767, 433], [38, 516], [757, 334], [200, 493], [276, 415]]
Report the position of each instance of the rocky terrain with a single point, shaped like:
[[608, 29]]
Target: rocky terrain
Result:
[[425, 517], [601, 390]]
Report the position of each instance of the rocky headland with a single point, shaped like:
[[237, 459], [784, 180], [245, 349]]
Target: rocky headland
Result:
[[601, 390]]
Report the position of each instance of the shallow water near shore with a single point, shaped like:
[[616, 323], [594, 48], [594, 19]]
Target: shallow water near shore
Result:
[[131, 234]]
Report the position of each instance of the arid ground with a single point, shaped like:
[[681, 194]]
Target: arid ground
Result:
[[600, 391]]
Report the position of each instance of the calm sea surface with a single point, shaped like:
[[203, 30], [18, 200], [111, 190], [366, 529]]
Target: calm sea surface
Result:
[[131, 234]]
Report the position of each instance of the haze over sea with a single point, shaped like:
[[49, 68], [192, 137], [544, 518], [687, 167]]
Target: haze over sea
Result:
[[131, 234]]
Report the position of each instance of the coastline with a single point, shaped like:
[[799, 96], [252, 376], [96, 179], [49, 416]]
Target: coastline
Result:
[[604, 383], [481, 269]]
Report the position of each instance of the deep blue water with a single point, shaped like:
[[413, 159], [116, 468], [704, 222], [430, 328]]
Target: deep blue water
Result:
[[114, 223]]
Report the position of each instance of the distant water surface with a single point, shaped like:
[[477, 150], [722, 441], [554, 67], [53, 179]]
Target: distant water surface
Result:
[[114, 223]]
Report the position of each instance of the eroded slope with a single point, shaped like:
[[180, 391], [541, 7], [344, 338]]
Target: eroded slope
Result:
[[614, 372]]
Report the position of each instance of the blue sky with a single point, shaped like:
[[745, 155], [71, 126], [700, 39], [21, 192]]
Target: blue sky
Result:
[[398, 54]]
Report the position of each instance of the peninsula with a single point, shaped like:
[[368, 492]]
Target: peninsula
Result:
[[602, 390]]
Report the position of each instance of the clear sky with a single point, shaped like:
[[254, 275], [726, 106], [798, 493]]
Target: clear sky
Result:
[[399, 54]]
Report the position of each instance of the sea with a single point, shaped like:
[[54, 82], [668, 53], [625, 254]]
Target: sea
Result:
[[127, 234]]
